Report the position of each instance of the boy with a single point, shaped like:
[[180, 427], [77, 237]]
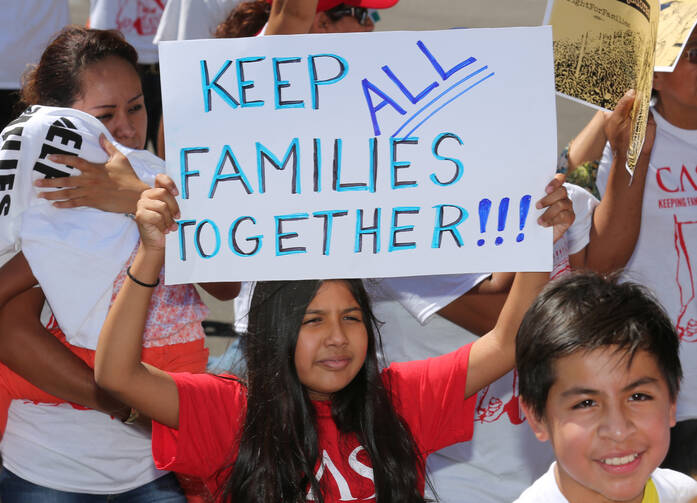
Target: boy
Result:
[[599, 375]]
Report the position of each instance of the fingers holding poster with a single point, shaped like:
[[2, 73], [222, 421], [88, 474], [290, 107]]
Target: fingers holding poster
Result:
[[359, 155], [602, 48]]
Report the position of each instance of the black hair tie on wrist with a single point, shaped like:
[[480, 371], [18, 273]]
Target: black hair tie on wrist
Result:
[[139, 282]]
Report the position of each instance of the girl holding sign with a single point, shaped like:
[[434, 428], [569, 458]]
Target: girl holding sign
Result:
[[315, 419]]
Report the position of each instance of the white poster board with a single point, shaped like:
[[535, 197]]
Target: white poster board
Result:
[[359, 155]]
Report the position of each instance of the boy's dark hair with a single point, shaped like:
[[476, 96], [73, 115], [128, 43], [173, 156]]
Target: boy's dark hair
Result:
[[584, 312], [279, 446]]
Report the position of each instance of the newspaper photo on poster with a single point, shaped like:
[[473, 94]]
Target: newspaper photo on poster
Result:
[[676, 22], [602, 48]]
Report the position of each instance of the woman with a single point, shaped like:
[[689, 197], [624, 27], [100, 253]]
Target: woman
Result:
[[80, 258]]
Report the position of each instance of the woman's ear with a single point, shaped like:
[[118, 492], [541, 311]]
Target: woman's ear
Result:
[[537, 424], [321, 23], [658, 78]]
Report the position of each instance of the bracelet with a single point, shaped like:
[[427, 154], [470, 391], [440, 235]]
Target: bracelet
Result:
[[139, 282], [132, 417]]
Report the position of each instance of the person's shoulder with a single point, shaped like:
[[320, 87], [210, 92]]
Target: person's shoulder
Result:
[[543, 490], [673, 486]]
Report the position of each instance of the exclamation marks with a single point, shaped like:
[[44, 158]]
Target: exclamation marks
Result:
[[485, 210], [503, 213], [524, 209]]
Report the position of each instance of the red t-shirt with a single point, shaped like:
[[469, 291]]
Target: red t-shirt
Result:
[[429, 395]]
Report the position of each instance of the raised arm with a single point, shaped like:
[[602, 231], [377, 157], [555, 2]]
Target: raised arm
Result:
[[617, 220], [478, 309], [117, 363], [589, 143], [290, 17], [493, 354]]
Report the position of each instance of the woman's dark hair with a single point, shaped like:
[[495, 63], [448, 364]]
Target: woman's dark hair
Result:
[[584, 312], [56, 80], [279, 445], [246, 20]]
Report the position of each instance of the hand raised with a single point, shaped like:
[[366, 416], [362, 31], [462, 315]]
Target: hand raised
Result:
[[559, 212], [156, 213]]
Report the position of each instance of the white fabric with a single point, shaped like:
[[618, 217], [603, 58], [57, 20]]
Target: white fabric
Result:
[[584, 204], [26, 27], [76, 450], [75, 254], [665, 257], [191, 19], [671, 486], [136, 19]]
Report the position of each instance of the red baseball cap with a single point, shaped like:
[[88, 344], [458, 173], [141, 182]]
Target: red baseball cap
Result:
[[368, 4]]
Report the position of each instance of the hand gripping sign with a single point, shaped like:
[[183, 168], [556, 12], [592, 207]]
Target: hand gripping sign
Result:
[[359, 155]]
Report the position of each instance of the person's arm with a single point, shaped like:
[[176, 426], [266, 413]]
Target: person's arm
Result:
[[117, 363], [33, 353], [112, 186], [222, 290], [617, 219], [291, 17], [493, 354], [15, 278], [478, 309], [589, 143]]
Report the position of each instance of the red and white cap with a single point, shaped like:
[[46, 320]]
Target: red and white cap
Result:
[[368, 4]]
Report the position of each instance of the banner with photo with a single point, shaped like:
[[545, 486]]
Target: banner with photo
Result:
[[677, 20], [603, 48]]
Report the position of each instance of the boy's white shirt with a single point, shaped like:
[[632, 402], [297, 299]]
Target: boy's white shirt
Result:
[[671, 486], [75, 254]]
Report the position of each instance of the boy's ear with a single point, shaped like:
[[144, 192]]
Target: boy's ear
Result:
[[538, 425], [673, 420]]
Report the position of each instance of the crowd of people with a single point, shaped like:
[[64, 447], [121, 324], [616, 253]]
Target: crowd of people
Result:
[[571, 386]]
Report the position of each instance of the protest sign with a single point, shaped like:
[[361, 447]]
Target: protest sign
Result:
[[676, 22], [603, 48], [359, 155]]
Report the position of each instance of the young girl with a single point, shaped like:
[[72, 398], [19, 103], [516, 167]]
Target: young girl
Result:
[[315, 419]]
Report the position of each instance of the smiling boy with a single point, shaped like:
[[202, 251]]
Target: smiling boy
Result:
[[599, 375]]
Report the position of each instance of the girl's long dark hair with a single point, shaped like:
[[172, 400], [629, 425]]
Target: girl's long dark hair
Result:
[[279, 447]]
